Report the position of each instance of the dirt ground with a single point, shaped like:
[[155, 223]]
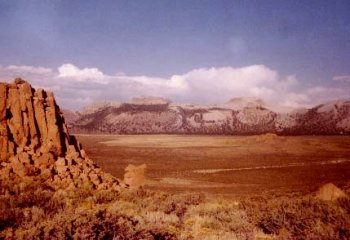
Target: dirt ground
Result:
[[226, 165]]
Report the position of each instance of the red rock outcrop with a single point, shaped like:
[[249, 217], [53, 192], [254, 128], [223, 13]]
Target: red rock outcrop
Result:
[[35, 143]]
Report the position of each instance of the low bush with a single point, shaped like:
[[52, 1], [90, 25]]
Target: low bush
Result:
[[302, 217], [32, 211]]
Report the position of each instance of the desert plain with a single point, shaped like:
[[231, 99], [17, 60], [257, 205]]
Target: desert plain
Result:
[[230, 166]]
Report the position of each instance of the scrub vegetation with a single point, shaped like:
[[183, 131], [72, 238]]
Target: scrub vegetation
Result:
[[29, 211]]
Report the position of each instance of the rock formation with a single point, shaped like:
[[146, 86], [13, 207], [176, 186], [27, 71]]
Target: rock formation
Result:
[[237, 117], [35, 143]]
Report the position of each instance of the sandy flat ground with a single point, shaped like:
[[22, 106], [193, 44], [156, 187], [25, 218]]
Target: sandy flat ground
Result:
[[226, 164]]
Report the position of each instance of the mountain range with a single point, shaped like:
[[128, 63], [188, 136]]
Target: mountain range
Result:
[[238, 116]]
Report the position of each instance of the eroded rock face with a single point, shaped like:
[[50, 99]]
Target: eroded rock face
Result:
[[35, 143]]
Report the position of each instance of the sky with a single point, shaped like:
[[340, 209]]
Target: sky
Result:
[[289, 53]]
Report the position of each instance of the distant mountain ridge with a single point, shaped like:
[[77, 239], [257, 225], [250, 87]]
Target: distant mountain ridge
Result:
[[239, 116]]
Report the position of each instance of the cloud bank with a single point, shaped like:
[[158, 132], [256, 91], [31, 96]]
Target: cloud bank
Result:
[[75, 87]]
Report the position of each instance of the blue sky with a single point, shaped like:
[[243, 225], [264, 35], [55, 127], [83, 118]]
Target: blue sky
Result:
[[306, 40]]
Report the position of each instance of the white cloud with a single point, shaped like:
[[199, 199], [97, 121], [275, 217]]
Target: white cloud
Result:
[[144, 80], [86, 74], [342, 78], [75, 86], [177, 81], [220, 84], [231, 79]]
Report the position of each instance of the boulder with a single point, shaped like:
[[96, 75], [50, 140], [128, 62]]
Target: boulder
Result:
[[44, 160], [24, 158], [61, 169], [95, 179], [17, 167], [61, 161], [330, 192], [135, 175]]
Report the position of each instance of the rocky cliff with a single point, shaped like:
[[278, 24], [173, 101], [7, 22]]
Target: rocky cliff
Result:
[[236, 117], [35, 143]]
